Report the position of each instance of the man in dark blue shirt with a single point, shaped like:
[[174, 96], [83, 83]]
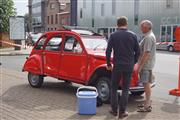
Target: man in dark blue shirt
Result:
[[125, 54]]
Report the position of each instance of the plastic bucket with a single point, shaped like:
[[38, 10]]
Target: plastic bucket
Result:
[[86, 100]]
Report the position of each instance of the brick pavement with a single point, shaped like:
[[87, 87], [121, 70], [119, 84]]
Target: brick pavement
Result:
[[57, 101]]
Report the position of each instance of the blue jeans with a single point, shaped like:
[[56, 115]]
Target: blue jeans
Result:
[[115, 79]]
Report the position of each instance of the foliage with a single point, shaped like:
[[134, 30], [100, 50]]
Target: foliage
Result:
[[6, 10]]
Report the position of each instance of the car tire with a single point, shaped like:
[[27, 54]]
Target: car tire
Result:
[[170, 49], [138, 93], [103, 88], [35, 80]]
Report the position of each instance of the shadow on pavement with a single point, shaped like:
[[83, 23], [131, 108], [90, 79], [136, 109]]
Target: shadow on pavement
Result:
[[55, 96], [61, 97], [50, 96]]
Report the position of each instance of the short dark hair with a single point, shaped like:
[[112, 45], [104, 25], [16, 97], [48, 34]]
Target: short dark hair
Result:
[[122, 21]]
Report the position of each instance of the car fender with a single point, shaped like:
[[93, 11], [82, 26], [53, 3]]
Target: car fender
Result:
[[102, 71], [98, 72], [170, 44], [34, 64]]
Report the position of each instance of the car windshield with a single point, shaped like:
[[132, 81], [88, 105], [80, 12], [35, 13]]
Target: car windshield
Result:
[[95, 43]]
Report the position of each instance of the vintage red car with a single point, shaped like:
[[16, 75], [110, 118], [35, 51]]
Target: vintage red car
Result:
[[76, 57]]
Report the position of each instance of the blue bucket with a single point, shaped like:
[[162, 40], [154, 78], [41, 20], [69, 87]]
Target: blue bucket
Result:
[[87, 100]]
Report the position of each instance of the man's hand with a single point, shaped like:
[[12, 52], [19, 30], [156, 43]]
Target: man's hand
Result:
[[109, 68]]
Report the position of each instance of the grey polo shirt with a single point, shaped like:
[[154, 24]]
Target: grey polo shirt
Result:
[[148, 44]]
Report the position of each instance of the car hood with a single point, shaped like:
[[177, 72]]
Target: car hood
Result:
[[99, 54]]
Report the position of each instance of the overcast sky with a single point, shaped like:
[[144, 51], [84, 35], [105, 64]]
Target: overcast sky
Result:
[[21, 7]]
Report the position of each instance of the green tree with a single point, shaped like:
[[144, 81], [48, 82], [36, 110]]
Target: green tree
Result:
[[6, 10]]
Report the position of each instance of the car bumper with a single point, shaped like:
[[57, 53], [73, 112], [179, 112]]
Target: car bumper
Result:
[[140, 88]]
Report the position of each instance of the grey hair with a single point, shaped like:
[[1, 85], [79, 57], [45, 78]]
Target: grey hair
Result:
[[147, 23]]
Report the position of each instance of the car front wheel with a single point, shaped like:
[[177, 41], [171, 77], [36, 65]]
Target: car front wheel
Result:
[[103, 87], [170, 49], [35, 80]]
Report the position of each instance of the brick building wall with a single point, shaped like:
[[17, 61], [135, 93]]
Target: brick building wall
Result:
[[57, 14]]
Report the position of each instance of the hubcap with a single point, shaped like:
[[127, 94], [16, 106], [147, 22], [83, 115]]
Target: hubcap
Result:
[[34, 79], [103, 90], [171, 49]]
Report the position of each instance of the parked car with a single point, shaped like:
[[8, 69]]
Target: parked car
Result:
[[32, 38], [170, 38], [168, 46], [74, 57]]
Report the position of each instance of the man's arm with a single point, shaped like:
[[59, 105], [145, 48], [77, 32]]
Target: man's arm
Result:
[[108, 52], [136, 50], [143, 60]]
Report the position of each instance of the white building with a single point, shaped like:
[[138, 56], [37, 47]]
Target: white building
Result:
[[101, 15]]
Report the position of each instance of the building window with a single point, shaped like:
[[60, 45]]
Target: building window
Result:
[[36, 1], [68, 21], [102, 9], [81, 14], [36, 9], [36, 20], [136, 20], [48, 19], [56, 19], [52, 5], [113, 7], [52, 19], [93, 22], [63, 20], [169, 3], [84, 3], [136, 12]]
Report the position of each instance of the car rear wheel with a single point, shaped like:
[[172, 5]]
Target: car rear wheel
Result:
[[103, 87], [35, 80], [170, 49], [138, 93]]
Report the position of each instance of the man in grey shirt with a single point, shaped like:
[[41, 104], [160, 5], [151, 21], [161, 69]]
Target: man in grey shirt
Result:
[[146, 62]]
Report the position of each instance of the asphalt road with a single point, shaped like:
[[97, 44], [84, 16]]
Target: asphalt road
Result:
[[165, 71]]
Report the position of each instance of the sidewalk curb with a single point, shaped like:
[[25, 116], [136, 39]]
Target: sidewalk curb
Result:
[[14, 54]]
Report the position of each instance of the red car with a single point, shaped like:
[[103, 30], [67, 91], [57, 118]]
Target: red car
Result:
[[74, 56]]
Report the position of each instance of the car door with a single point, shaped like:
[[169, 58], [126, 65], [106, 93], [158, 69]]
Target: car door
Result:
[[51, 55], [73, 60], [177, 46], [37, 56]]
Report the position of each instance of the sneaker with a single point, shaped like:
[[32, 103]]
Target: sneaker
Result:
[[123, 114]]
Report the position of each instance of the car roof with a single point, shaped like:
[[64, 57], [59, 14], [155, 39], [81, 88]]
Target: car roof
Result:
[[81, 32]]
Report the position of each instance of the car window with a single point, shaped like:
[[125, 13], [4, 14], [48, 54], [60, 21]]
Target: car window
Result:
[[54, 43], [40, 43], [72, 45], [94, 43]]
